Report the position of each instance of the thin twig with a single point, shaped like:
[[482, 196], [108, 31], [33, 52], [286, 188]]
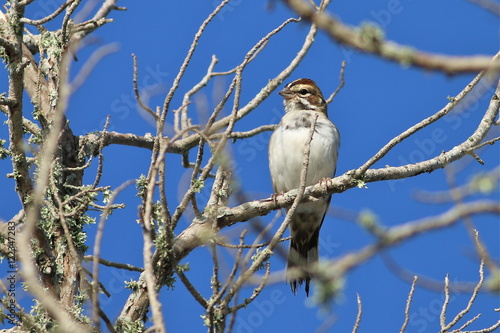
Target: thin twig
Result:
[[232, 275], [470, 321], [256, 291], [244, 135], [189, 286], [109, 263], [196, 170], [262, 95], [408, 303], [217, 294], [263, 233], [100, 162], [358, 316], [442, 316], [341, 83], [66, 24], [489, 142], [164, 214], [136, 90], [214, 281], [101, 286], [197, 87]]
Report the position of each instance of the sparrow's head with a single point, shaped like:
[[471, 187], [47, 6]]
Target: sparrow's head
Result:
[[303, 94]]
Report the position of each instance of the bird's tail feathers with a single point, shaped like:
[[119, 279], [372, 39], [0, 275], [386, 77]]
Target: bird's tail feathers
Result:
[[301, 257]]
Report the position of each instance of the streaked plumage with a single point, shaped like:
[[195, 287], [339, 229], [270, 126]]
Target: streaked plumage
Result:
[[303, 100]]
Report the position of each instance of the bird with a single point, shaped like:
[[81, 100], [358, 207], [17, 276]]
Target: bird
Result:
[[303, 101]]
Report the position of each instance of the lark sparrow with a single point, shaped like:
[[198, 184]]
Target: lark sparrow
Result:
[[303, 100]]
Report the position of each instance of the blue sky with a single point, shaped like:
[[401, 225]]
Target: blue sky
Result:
[[380, 100]]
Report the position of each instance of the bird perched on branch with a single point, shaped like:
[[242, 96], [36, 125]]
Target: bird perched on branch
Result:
[[303, 101]]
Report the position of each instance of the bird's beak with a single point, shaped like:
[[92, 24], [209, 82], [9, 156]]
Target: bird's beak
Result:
[[286, 93]]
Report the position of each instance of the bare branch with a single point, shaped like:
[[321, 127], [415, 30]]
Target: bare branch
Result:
[[48, 17], [408, 303], [423, 281], [442, 316], [108, 263], [81, 30], [358, 316], [196, 295], [489, 142], [369, 40], [187, 96], [481, 183], [137, 93], [106, 8], [66, 24], [341, 83], [400, 233]]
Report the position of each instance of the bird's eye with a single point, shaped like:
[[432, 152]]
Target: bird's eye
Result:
[[303, 91]]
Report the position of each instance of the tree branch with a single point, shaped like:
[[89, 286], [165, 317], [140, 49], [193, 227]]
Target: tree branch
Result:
[[395, 235], [368, 39]]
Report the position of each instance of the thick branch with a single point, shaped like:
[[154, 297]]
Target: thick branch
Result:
[[12, 43]]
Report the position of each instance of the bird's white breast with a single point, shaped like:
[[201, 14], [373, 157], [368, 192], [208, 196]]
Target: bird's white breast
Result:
[[287, 145]]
